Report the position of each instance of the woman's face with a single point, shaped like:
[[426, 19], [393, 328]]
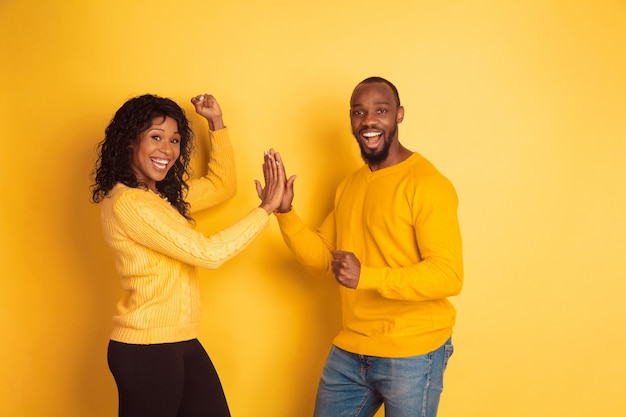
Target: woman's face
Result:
[[156, 151]]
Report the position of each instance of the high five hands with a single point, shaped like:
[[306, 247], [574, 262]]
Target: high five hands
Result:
[[273, 162]]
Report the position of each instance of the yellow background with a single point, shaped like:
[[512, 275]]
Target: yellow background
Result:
[[522, 104]]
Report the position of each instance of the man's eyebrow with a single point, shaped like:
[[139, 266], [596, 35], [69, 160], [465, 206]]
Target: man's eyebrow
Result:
[[377, 103]]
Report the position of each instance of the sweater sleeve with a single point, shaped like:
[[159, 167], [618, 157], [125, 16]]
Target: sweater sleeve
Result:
[[311, 248], [220, 182], [439, 274], [156, 225]]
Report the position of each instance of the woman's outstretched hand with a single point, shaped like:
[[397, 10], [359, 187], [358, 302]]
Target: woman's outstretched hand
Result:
[[206, 105], [277, 195]]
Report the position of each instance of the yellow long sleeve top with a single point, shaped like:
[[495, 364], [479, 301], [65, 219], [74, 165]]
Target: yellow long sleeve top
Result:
[[157, 251], [401, 223]]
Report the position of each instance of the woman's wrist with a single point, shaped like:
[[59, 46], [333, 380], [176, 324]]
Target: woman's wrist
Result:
[[267, 208], [216, 123]]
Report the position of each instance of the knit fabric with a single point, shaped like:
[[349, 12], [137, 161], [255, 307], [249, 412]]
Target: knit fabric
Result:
[[401, 223], [157, 251]]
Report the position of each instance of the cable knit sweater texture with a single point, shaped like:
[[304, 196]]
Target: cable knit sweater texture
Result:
[[157, 251]]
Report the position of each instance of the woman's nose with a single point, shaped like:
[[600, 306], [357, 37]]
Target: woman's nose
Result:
[[166, 147]]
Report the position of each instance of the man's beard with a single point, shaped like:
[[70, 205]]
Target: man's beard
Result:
[[380, 156]]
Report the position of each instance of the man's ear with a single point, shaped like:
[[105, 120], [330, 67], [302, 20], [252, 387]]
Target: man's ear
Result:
[[400, 114]]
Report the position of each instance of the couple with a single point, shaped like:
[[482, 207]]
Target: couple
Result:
[[392, 242]]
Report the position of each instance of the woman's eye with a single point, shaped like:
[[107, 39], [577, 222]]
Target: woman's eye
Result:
[[156, 137], [175, 140]]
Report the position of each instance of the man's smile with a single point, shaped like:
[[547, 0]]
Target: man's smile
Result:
[[372, 138]]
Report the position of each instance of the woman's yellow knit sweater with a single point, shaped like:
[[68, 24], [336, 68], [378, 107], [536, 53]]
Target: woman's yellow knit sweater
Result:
[[157, 251]]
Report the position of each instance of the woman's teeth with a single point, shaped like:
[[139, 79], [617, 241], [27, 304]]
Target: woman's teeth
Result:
[[160, 163]]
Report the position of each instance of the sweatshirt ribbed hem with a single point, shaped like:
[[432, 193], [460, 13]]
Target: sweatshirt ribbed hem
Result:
[[153, 336], [387, 346]]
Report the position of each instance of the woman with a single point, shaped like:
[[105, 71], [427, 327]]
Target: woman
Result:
[[159, 366]]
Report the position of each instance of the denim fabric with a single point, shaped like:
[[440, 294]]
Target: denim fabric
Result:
[[356, 385]]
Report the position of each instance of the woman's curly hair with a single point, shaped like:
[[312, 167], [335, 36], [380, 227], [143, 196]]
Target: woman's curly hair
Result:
[[114, 152]]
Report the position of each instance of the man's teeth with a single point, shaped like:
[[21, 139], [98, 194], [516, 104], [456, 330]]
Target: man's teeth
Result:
[[369, 135]]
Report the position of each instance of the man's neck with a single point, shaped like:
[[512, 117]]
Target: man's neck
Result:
[[395, 157]]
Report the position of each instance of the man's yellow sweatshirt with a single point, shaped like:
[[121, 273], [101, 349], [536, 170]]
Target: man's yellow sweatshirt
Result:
[[401, 223]]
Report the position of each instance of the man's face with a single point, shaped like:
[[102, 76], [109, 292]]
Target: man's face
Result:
[[374, 115]]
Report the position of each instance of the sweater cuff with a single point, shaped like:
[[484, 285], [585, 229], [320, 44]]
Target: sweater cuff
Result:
[[371, 278], [259, 216], [220, 138], [289, 222]]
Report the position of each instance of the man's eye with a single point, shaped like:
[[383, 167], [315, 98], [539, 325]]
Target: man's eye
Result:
[[382, 111]]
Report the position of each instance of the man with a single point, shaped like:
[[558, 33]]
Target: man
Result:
[[394, 246]]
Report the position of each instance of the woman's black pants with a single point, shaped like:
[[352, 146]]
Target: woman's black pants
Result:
[[166, 380]]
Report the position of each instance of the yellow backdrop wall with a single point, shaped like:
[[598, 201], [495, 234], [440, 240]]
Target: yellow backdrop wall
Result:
[[522, 104]]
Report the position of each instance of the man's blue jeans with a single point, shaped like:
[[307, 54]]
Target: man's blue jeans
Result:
[[357, 385]]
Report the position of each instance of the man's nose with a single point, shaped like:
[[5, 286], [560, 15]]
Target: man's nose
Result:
[[369, 119]]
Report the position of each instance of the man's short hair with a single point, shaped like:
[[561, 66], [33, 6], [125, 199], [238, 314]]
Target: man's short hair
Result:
[[372, 80]]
